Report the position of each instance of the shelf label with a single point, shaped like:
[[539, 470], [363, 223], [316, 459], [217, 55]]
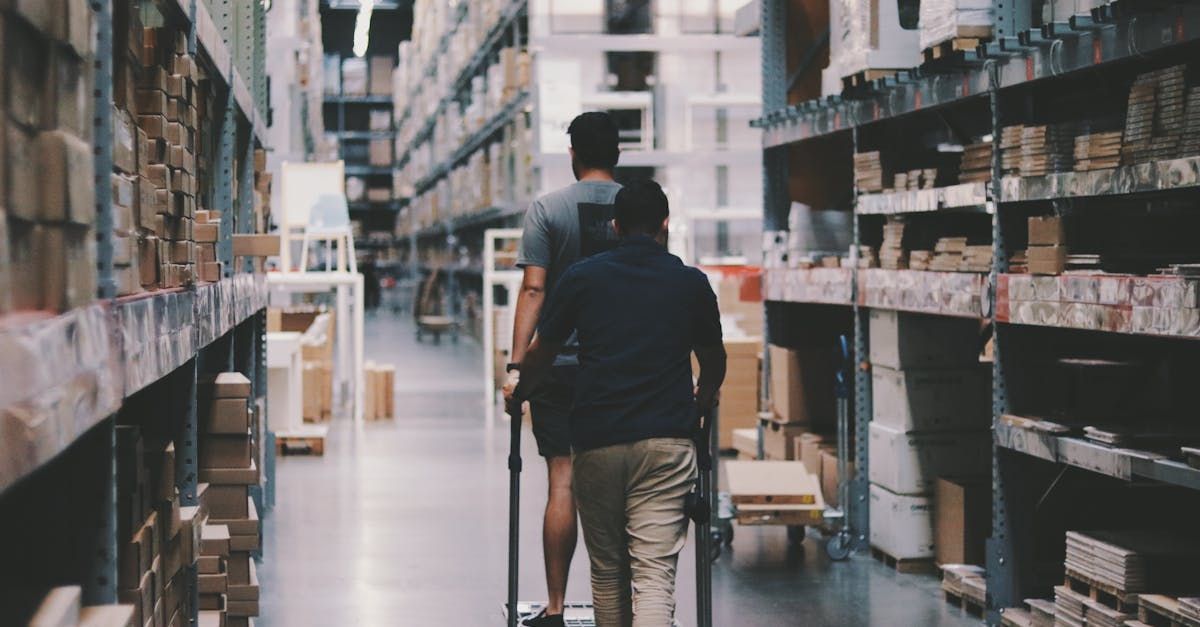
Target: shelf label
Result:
[[875, 109], [917, 99], [1029, 68], [1097, 50]]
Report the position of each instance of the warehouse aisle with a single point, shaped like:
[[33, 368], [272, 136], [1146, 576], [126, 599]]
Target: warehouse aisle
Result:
[[404, 524]]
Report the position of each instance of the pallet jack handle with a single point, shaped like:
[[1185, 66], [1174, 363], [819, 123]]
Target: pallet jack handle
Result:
[[699, 508], [514, 510]]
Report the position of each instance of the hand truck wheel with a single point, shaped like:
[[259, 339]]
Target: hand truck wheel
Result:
[[838, 546]]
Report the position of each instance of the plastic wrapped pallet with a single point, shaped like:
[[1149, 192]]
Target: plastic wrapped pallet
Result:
[[867, 35], [943, 20]]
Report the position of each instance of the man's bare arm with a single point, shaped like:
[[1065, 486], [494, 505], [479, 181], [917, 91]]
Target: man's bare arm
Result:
[[529, 306], [712, 374]]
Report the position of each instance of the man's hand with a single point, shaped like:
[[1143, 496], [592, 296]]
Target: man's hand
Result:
[[510, 384], [707, 399]]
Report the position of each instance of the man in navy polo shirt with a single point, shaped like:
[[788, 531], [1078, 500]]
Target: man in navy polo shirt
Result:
[[638, 313]]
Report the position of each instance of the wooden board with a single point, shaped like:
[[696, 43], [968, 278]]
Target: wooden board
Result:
[[773, 483], [1157, 609], [902, 565]]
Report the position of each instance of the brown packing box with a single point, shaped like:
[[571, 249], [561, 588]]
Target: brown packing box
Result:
[[155, 126], [210, 618], [151, 102], [778, 439], [210, 564], [163, 471], [379, 152], [810, 452], [829, 476], [802, 385], [174, 228], [59, 608], [212, 602], [212, 584], [225, 416], [242, 608], [226, 385], [70, 96], [1046, 231], [379, 68], [148, 260], [141, 597], [209, 271], [225, 451], [961, 520], [20, 164], [26, 65], [65, 196], [227, 501], [238, 567], [246, 592], [231, 476], [1046, 259], [206, 232], [244, 543], [68, 267], [740, 392], [256, 245], [242, 526], [206, 253], [214, 540]]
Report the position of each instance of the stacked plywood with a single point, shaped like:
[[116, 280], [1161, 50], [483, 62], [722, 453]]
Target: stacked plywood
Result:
[[1097, 151], [1133, 561], [1154, 120], [892, 255], [1046, 149], [976, 163], [868, 172], [1191, 125], [1010, 149], [948, 254]]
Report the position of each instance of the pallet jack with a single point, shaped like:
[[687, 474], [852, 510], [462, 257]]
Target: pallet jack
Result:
[[698, 506]]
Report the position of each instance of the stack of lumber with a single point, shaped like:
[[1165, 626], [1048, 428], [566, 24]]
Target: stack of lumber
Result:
[[1154, 119], [976, 259], [921, 178], [1046, 149], [892, 255], [1097, 151], [868, 172], [1133, 561], [1042, 612], [954, 577], [1190, 607], [1069, 607], [976, 163], [1190, 145], [919, 259], [1010, 149], [868, 257], [948, 254]]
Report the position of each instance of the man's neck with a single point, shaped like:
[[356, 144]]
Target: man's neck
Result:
[[596, 176]]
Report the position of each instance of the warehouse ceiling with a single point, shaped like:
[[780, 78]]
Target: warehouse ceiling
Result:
[[391, 23]]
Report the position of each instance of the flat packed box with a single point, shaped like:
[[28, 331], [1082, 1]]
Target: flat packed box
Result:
[[227, 501], [225, 416], [225, 451], [962, 520], [910, 463], [1046, 259], [908, 532], [831, 479], [802, 385], [932, 400], [779, 439], [908, 340]]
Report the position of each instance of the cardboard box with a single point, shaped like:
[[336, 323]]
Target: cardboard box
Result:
[[206, 232], [908, 533], [227, 502], [225, 416], [214, 540], [237, 565], [932, 400], [226, 385], [1047, 231], [778, 439], [59, 608], [962, 520], [212, 584], [107, 616], [209, 271], [802, 385], [829, 476], [241, 608], [910, 463], [381, 74], [255, 245], [379, 152], [225, 451], [21, 164], [740, 392], [68, 267], [809, 446], [65, 196], [70, 97], [1046, 259], [907, 340], [210, 564]]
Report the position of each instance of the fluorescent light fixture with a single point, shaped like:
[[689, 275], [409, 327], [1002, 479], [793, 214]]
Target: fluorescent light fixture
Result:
[[362, 27]]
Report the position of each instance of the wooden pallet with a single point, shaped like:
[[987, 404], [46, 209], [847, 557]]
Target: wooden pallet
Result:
[[1101, 593], [968, 605], [864, 78], [950, 49], [1158, 610], [905, 565], [310, 441]]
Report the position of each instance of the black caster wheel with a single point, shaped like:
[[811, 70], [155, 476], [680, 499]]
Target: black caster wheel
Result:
[[727, 533], [838, 547]]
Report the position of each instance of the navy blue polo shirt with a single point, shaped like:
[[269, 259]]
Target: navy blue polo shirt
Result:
[[639, 312]]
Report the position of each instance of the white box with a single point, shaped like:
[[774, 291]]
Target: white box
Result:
[[901, 525], [910, 463], [908, 340], [931, 399]]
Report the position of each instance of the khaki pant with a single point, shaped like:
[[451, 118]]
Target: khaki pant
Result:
[[630, 499]]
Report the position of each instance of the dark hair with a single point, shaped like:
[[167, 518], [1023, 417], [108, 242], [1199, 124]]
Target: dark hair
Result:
[[594, 139], [641, 207]]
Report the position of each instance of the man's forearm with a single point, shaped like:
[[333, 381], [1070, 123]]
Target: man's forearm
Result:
[[529, 307], [712, 374], [536, 363]]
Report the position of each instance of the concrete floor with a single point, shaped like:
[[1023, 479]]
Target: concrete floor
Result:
[[404, 523]]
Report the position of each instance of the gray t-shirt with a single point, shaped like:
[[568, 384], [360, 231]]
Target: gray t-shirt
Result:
[[563, 227]]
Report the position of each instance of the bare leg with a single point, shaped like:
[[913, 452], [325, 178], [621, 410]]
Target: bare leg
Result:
[[559, 532]]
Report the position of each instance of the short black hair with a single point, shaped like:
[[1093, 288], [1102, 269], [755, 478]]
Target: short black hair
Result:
[[594, 139], [641, 207]]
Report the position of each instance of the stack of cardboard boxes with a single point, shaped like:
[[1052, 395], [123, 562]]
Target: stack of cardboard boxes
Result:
[[158, 539], [379, 399], [1047, 252], [47, 194], [207, 230], [740, 392], [931, 416], [229, 463]]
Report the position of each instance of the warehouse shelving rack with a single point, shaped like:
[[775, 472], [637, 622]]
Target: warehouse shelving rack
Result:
[[988, 81], [450, 235], [72, 373]]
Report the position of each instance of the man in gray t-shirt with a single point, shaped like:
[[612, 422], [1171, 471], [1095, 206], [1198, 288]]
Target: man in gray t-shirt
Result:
[[561, 228]]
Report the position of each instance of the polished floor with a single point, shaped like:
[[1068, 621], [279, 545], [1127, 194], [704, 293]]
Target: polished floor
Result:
[[404, 523]]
